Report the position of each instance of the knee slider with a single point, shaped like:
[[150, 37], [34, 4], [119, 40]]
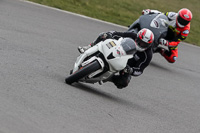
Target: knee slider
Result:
[[122, 81]]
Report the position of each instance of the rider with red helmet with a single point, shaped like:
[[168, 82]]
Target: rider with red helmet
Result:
[[141, 59], [178, 30]]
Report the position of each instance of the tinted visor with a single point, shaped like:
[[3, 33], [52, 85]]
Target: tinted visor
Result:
[[142, 44], [182, 21]]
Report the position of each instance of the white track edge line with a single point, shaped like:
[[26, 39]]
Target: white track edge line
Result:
[[73, 13]]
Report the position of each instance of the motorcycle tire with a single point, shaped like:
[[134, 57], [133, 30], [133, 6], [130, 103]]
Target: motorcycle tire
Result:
[[81, 73]]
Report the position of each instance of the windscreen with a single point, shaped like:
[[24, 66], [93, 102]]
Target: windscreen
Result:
[[128, 45]]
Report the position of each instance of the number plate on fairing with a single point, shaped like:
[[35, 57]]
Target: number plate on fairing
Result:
[[110, 44]]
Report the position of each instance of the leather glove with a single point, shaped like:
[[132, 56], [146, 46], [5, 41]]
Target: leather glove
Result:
[[109, 34], [146, 11], [128, 70], [163, 42]]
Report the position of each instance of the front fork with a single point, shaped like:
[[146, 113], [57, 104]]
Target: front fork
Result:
[[82, 57]]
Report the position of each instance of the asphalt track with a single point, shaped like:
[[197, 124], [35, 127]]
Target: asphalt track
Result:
[[37, 50]]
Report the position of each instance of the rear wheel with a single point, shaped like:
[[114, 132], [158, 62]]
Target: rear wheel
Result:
[[81, 73]]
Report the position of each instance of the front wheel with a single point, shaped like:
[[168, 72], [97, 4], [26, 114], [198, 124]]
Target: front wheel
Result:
[[83, 72]]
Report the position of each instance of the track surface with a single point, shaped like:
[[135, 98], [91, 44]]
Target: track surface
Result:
[[37, 50]]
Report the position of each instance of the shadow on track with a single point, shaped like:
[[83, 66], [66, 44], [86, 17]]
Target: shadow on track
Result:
[[114, 99], [159, 66], [94, 91]]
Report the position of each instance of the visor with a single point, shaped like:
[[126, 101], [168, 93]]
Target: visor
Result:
[[142, 44], [182, 21]]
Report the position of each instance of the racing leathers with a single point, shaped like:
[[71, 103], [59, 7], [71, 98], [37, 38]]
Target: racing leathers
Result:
[[137, 64], [174, 36]]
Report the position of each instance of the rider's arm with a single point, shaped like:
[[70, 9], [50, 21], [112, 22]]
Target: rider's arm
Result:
[[155, 11], [125, 34], [171, 15], [181, 36], [148, 11], [184, 33]]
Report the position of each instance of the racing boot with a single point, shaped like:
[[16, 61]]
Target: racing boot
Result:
[[121, 81], [82, 49], [102, 36]]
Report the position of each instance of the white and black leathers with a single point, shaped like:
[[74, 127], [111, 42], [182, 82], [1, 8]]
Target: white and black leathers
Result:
[[138, 63], [141, 59]]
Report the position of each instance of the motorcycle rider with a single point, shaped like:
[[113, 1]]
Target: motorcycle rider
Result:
[[178, 30], [141, 59]]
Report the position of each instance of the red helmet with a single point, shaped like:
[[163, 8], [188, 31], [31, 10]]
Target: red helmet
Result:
[[184, 17], [145, 38]]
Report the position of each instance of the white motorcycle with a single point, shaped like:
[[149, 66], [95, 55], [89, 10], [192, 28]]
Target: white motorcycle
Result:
[[100, 62]]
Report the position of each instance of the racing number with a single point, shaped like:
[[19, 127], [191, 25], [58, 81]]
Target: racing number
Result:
[[110, 44]]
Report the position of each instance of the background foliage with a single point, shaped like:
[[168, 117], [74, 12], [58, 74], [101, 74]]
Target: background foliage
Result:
[[124, 12]]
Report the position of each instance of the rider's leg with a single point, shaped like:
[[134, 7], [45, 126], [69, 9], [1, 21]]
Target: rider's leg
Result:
[[82, 49], [101, 37], [171, 56]]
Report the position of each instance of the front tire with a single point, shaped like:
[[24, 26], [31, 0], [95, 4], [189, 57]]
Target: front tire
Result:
[[81, 73]]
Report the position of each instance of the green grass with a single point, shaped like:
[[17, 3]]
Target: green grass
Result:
[[124, 12]]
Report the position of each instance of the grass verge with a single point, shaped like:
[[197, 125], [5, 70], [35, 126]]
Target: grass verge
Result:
[[124, 12]]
